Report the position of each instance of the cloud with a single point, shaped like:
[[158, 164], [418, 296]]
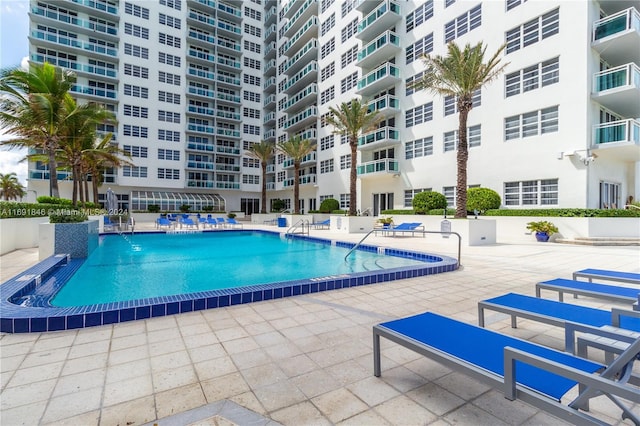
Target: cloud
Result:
[[24, 63], [10, 162]]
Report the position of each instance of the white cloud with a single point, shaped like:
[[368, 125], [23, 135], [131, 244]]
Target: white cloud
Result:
[[10, 162], [24, 63]]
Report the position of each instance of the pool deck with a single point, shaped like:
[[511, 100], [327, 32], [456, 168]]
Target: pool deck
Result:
[[297, 361]]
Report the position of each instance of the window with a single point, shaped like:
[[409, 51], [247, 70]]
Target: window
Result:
[[463, 24], [137, 11], [350, 30], [409, 82], [345, 162], [327, 95], [168, 154], [169, 21], [169, 40], [168, 116], [252, 13], [419, 15], [133, 171], [136, 91], [326, 166], [531, 123], [533, 77], [135, 131], [137, 51], [328, 47], [136, 111], [251, 96], [327, 142], [136, 31], [328, 24], [419, 148], [325, 5], [135, 151], [323, 119], [251, 179], [327, 71], [449, 193], [172, 98], [347, 6], [165, 77], [251, 130], [252, 63], [473, 138], [448, 3], [451, 102], [533, 31], [424, 45], [165, 58], [252, 79], [168, 135], [410, 193], [250, 29], [136, 71], [252, 47], [349, 56], [345, 200], [419, 114], [542, 192], [250, 112], [174, 4], [514, 3], [251, 162], [349, 82], [168, 173]]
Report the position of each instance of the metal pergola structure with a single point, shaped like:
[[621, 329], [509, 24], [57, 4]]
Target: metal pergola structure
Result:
[[171, 201]]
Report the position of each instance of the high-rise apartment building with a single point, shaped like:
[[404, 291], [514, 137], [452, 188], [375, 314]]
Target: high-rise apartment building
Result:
[[195, 82]]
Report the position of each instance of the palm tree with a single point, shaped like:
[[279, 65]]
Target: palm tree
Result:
[[99, 157], [351, 120], [263, 151], [296, 148], [32, 109], [10, 187], [459, 74]]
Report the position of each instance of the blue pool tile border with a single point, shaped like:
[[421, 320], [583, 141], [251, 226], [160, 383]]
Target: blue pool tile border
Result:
[[50, 274]]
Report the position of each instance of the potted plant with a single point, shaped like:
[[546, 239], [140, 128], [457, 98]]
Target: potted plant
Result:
[[543, 229], [231, 215], [386, 221]]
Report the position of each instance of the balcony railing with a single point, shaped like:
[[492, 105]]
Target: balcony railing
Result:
[[80, 23], [617, 131], [378, 75], [227, 185], [200, 146], [307, 158], [98, 6], [616, 23], [200, 184], [384, 134], [387, 165], [388, 39], [223, 149], [624, 75], [201, 165], [389, 9], [201, 92], [223, 167], [302, 180], [94, 91], [44, 174], [383, 103]]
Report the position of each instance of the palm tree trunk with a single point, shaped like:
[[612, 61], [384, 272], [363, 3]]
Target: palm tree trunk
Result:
[[95, 177], [464, 105], [263, 201], [296, 188], [75, 174], [353, 177], [53, 169], [86, 186]]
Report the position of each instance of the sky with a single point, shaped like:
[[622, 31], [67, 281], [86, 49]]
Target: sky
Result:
[[14, 49]]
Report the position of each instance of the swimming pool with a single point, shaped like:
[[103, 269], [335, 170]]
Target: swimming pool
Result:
[[26, 305]]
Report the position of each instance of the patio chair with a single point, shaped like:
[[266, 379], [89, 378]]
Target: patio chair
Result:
[[211, 222], [233, 223], [188, 223], [321, 225], [406, 227], [591, 289], [109, 226], [607, 275], [523, 370]]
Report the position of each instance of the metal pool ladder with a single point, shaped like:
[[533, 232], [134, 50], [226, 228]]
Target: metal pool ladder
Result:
[[299, 224], [358, 244]]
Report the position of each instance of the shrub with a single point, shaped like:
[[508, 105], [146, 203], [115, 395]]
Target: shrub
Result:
[[328, 205], [277, 205], [543, 226], [482, 199], [428, 200], [67, 216], [153, 208], [231, 215], [207, 208], [185, 208], [45, 199]]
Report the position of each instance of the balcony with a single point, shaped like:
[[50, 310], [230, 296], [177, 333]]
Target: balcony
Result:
[[227, 97], [384, 47], [383, 166], [229, 150], [308, 53], [383, 77], [270, 50], [270, 33], [210, 130], [229, 80], [209, 112], [228, 64], [305, 76], [309, 8], [381, 138], [228, 115], [303, 98], [619, 140], [200, 184], [269, 119], [229, 12], [303, 119], [91, 91], [270, 16], [227, 185], [366, 6], [204, 57], [302, 180], [309, 158], [200, 19], [269, 100], [291, 7], [378, 20], [228, 28], [75, 24], [205, 75], [269, 84], [224, 167], [307, 32], [271, 168], [618, 89], [386, 105], [201, 92], [308, 134], [269, 135], [617, 37], [200, 165], [201, 147], [271, 186], [270, 68], [109, 9], [230, 133], [228, 46], [35, 174]]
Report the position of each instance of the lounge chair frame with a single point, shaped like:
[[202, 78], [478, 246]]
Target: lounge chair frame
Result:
[[607, 275], [585, 290], [590, 384]]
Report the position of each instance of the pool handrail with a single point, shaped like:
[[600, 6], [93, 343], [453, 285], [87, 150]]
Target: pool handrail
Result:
[[301, 223]]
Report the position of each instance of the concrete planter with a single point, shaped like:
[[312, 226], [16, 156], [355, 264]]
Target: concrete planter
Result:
[[76, 239], [351, 224], [19, 233]]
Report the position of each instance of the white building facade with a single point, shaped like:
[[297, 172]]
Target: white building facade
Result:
[[195, 82]]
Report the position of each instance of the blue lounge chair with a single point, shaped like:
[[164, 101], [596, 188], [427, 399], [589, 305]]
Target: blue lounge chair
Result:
[[406, 228], [607, 275], [322, 225], [108, 226], [212, 222], [163, 222], [188, 223], [233, 223], [523, 370], [591, 289]]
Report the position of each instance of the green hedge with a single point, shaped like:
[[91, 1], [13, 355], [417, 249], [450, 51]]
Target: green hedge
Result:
[[533, 212], [67, 216]]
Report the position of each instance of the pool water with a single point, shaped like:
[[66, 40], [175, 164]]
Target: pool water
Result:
[[152, 265]]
